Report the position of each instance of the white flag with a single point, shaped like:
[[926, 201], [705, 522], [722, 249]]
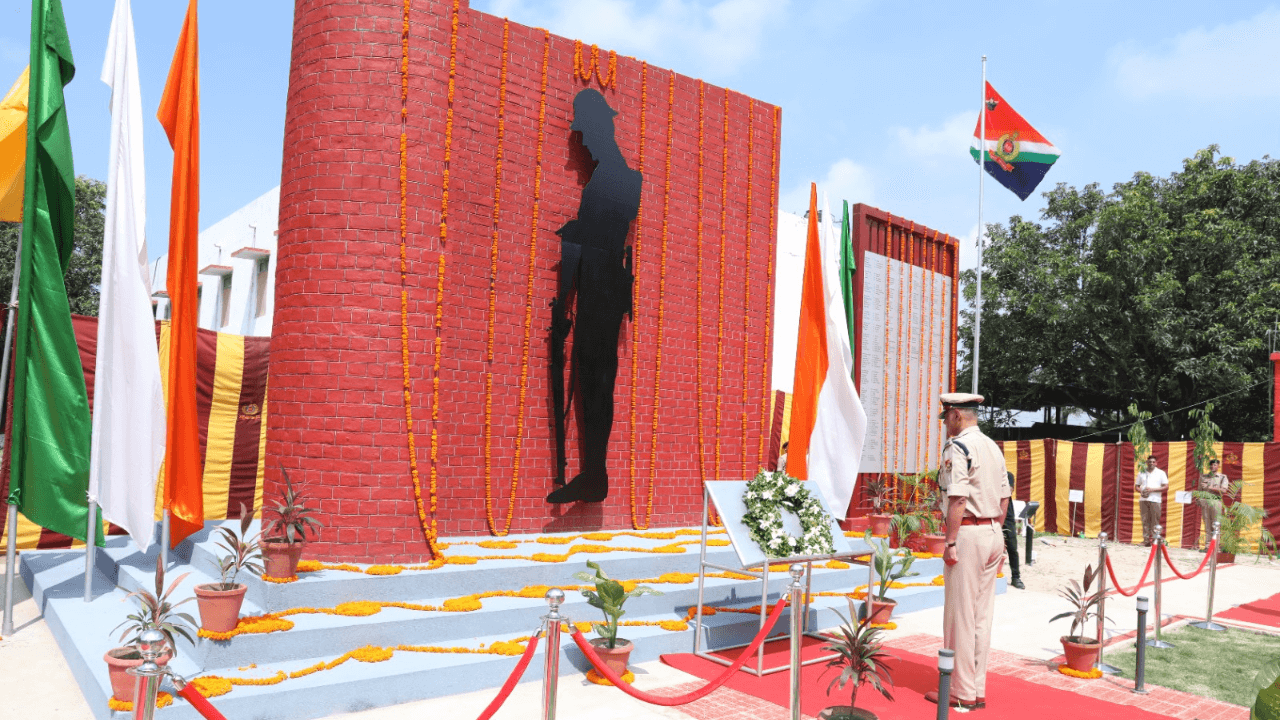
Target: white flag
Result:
[[840, 426], [128, 398]]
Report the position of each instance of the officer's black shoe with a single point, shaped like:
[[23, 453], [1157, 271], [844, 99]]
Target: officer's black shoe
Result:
[[586, 487], [1017, 582]]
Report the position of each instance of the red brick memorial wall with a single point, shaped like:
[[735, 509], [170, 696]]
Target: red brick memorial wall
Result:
[[449, 189]]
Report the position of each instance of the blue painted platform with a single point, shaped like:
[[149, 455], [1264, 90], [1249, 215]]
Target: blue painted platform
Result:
[[83, 630]]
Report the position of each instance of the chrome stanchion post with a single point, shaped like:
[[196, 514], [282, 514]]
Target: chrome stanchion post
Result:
[[946, 664], [152, 643], [1156, 642], [1139, 672], [1208, 623], [797, 634], [1102, 606], [551, 670]]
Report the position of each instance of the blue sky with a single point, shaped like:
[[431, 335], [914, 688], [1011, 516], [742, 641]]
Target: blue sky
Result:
[[879, 98]]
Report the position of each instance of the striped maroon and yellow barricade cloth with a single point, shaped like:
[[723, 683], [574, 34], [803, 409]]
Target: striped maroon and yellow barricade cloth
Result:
[[231, 392]]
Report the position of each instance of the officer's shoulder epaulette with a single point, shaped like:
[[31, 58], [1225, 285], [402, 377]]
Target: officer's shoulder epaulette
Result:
[[963, 450]]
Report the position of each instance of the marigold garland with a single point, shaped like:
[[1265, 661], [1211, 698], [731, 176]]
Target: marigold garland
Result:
[[163, 699], [585, 71], [724, 207], [212, 686], [884, 394], [1093, 674], [928, 395], [885, 625], [697, 302], [746, 286], [765, 420], [595, 677], [955, 290], [900, 437], [493, 308], [281, 581], [662, 290], [635, 305]]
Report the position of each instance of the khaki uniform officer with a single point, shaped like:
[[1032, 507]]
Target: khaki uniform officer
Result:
[[975, 480], [1216, 483]]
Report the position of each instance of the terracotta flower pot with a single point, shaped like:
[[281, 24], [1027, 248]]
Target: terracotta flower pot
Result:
[[1226, 557], [280, 559], [880, 524], [846, 712], [615, 659], [882, 610], [935, 544], [119, 660], [219, 609], [1080, 656]]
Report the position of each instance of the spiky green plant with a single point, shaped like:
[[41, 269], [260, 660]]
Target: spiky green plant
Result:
[[239, 553], [158, 611], [860, 657], [608, 597], [292, 518], [890, 565], [1084, 604]]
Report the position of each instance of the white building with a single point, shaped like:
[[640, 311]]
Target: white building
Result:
[[237, 270]]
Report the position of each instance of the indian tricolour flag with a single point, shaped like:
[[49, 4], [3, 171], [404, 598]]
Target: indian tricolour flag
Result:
[[1013, 152]]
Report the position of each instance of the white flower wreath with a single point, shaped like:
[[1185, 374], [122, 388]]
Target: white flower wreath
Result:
[[765, 497]]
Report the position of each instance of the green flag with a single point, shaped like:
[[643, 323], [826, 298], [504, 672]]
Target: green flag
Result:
[[49, 459], [848, 266]]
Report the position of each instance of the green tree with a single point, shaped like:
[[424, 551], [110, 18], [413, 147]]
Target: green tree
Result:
[[1158, 293], [85, 272]]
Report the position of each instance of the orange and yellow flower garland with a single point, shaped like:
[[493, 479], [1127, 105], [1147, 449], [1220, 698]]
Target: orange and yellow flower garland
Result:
[[955, 290], [724, 207], [746, 290], [900, 437], [765, 420], [927, 401], [585, 71], [697, 321], [662, 295], [884, 394], [493, 302], [635, 305]]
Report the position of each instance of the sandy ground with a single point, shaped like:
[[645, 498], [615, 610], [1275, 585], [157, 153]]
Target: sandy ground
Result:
[[36, 682]]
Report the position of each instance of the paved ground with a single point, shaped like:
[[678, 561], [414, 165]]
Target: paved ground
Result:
[[37, 684]]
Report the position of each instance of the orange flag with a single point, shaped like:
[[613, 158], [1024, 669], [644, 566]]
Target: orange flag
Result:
[[811, 351], [179, 113]]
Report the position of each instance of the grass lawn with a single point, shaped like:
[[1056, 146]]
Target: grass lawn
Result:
[[1219, 665]]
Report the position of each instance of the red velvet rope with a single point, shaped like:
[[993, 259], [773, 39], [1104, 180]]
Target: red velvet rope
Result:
[[706, 690], [1112, 572], [199, 702], [510, 684], [1208, 553]]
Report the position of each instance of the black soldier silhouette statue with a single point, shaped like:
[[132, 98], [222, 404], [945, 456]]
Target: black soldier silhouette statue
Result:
[[595, 270]]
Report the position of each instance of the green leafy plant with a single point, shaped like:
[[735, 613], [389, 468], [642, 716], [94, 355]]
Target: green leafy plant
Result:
[[860, 657], [1138, 435], [1205, 434], [904, 525], [878, 491], [890, 565], [1083, 603], [1236, 519], [158, 611], [609, 596], [239, 553], [292, 517]]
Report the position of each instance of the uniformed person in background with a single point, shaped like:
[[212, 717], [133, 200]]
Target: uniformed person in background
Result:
[[975, 480], [1010, 529], [1216, 483]]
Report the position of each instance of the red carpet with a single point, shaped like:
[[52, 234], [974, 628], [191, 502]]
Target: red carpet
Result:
[[1261, 612], [913, 676]]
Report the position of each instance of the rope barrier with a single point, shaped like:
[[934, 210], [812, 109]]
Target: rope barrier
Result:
[[1129, 593], [199, 702], [1208, 553], [687, 698], [514, 678]]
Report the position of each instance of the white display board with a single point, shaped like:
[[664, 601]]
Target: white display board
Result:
[[905, 364], [726, 495]]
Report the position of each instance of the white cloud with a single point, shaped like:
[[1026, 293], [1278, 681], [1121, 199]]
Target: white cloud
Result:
[[1232, 61], [845, 180], [949, 141], [722, 35]]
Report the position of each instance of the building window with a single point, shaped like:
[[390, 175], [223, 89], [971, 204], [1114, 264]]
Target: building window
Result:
[[224, 302], [260, 286]]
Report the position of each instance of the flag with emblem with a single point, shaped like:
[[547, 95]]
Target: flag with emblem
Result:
[[1012, 151]]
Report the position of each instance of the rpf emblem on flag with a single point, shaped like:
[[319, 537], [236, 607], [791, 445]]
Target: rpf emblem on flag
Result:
[[1013, 152]]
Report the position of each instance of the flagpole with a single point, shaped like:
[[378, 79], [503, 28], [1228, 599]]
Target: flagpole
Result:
[[89, 548], [11, 548], [982, 170]]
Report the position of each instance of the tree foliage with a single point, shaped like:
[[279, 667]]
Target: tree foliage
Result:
[[1159, 293], [85, 272]]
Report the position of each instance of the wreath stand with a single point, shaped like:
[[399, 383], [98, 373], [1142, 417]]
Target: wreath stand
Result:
[[726, 497]]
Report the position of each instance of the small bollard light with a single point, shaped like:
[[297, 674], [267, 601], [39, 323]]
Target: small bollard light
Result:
[[1139, 672], [946, 665], [797, 633], [551, 665], [152, 644]]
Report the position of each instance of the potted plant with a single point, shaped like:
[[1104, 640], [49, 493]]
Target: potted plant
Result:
[[890, 567], [154, 611], [879, 521], [860, 657], [935, 538], [1234, 521], [905, 528], [609, 596], [286, 531], [220, 602], [1080, 652]]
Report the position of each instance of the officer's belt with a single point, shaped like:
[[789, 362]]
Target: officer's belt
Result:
[[971, 520]]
